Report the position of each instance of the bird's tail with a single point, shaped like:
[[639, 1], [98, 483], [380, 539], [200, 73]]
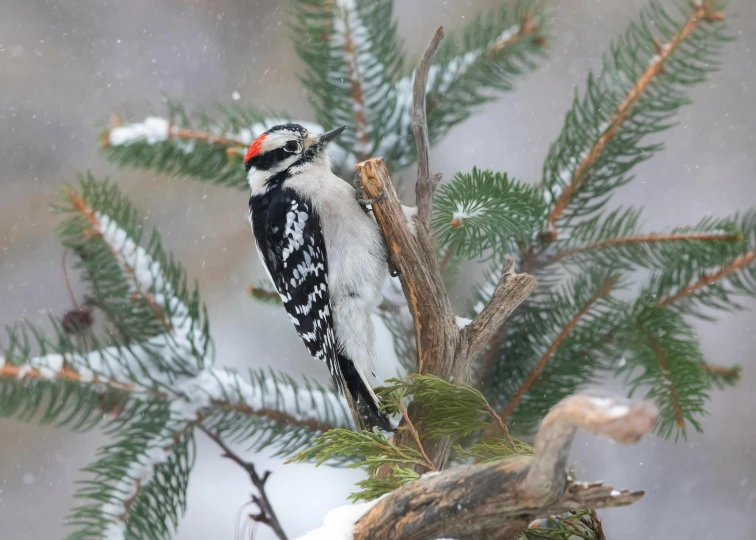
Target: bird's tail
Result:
[[362, 400]]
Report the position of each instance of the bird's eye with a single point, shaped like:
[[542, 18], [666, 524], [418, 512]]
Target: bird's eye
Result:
[[291, 146]]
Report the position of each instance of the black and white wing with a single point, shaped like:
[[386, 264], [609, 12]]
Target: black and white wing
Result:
[[291, 246]]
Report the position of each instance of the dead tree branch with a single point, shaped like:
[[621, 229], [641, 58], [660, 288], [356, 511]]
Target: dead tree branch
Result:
[[266, 515], [426, 184], [442, 348], [500, 498]]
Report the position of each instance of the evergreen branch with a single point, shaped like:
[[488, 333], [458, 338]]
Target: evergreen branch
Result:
[[483, 213], [268, 411], [603, 290], [198, 146], [707, 279], [665, 374], [721, 372], [491, 52], [646, 239], [641, 97], [159, 128], [139, 484], [663, 51], [141, 282], [267, 515], [662, 356], [353, 58], [582, 524], [415, 437], [264, 294]]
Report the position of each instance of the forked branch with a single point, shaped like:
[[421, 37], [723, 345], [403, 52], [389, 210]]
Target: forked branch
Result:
[[442, 348]]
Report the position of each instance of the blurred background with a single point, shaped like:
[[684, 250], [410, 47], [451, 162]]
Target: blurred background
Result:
[[67, 64]]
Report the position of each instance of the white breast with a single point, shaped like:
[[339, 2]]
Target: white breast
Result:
[[357, 265]]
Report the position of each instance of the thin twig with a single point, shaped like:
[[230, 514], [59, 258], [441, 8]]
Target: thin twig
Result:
[[426, 184], [645, 239], [267, 515], [707, 279], [700, 13], [733, 373], [503, 427], [416, 437], [602, 291], [447, 257], [67, 281]]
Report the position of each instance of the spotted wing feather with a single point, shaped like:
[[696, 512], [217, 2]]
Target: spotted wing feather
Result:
[[291, 245]]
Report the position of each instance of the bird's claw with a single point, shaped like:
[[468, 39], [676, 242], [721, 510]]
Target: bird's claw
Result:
[[368, 202]]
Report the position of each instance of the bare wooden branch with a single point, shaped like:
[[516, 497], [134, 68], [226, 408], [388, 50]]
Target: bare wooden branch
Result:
[[426, 184], [506, 495], [443, 350], [509, 293], [266, 515], [414, 258]]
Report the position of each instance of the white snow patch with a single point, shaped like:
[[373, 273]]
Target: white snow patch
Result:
[[154, 129], [507, 35], [615, 493], [338, 524], [410, 212], [612, 409], [462, 322]]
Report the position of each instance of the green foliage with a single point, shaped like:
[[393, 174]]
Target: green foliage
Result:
[[607, 240], [137, 486], [129, 270], [581, 524], [665, 349], [450, 409], [484, 60], [731, 275], [287, 427], [625, 103], [365, 449], [485, 213], [564, 360], [453, 409], [199, 158], [494, 449], [353, 57]]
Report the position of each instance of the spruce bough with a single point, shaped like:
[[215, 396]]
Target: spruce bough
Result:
[[148, 374]]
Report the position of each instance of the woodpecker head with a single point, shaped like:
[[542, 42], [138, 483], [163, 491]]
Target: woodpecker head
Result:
[[284, 150]]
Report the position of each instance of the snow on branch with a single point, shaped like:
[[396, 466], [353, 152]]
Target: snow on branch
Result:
[[211, 391], [505, 495], [156, 129]]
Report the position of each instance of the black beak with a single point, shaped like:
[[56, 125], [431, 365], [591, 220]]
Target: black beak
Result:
[[328, 136]]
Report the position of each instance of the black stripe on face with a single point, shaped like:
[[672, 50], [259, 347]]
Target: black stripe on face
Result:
[[267, 160]]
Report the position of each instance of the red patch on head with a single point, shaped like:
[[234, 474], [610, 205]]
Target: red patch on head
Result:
[[255, 147]]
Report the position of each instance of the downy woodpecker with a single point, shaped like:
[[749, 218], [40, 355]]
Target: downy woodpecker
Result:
[[324, 254]]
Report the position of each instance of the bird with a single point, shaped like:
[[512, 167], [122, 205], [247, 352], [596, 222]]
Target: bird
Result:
[[324, 253]]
